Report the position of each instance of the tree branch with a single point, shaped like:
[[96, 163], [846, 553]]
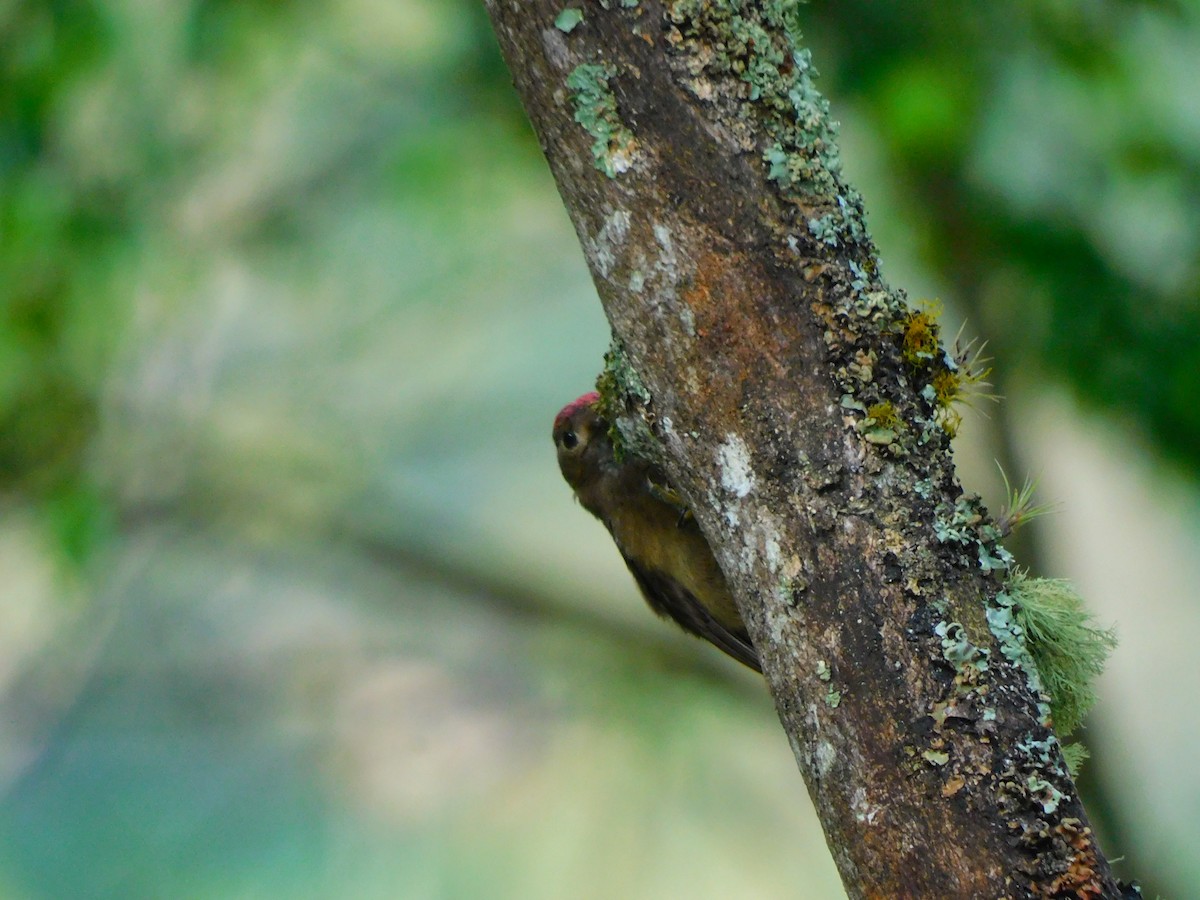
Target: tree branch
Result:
[[802, 408]]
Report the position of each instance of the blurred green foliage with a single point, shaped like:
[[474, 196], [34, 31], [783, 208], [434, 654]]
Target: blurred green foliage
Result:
[[56, 232], [1048, 153], [111, 114]]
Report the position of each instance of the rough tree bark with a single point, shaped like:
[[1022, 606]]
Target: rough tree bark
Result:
[[802, 409]]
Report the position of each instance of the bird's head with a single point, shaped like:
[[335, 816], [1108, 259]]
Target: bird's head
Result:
[[581, 439]]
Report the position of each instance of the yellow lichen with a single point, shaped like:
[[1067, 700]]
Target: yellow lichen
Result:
[[884, 414], [919, 344]]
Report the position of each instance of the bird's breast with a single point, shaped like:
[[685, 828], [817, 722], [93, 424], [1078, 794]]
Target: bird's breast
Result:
[[660, 539]]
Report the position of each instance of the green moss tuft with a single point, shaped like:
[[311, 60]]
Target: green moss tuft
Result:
[[1067, 647], [1019, 507], [1075, 755]]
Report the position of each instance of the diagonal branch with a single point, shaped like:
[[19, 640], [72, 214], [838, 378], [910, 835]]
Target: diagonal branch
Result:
[[803, 410]]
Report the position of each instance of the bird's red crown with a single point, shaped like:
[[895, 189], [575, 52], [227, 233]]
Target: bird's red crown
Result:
[[571, 408]]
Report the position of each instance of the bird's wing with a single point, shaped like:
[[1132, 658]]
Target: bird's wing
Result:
[[668, 597]]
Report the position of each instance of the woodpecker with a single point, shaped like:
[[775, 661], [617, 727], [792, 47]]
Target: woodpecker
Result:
[[659, 539]]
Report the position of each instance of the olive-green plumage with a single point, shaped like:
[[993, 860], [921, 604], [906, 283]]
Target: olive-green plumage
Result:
[[660, 541]]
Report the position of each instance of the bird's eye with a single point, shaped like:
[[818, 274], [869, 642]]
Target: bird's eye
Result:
[[569, 440]]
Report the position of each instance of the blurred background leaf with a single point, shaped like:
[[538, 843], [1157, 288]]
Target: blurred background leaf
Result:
[[293, 599]]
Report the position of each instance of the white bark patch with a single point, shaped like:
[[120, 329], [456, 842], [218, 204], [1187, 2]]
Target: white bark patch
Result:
[[733, 461], [621, 159], [668, 262], [737, 478], [609, 240], [863, 811], [823, 757], [732, 519], [779, 629], [689, 320], [772, 552], [666, 270]]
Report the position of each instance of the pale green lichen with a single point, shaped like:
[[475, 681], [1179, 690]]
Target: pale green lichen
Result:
[[993, 557], [874, 306], [1041, 751], [849, 401], [1011, 638], [833, 697], [1044, 793], [969, 660], [965, 524], [957, 647], [792, 588], [824, 229], [1041, 758], [956, 524], [613, 144], [622, 394], [568, 19]]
